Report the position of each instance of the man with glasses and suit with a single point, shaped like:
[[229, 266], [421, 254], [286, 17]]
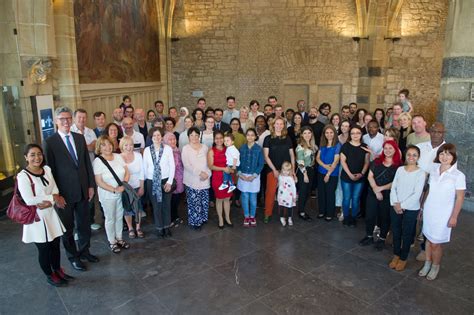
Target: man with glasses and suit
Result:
[[67, 156]]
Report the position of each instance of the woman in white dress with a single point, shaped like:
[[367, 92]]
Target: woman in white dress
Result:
[[37, 187], [207, 135], [442, 207]]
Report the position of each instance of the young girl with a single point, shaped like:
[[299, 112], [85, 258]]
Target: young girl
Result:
[[232, 156], [286, 193], [403, 97]]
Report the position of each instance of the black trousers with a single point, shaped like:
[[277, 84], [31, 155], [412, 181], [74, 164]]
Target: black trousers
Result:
[[327, 195], [175, 198], [377, 212], [161, 210], [76, 218], [49, 256], [304, 189], [363, 197], [263, 183], [403, 231]]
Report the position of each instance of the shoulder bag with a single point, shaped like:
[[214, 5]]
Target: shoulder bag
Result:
[[126, 202], [18, 210]]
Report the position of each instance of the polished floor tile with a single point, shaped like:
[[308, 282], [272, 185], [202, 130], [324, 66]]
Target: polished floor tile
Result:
[[310, 268]]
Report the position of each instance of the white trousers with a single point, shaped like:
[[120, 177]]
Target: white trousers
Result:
[[113, 212]]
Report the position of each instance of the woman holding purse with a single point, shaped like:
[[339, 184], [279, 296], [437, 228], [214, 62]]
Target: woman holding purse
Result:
[[37, 187], [109, 190]]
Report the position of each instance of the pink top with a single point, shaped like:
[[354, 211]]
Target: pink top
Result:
[[178, 173], [195, 162]]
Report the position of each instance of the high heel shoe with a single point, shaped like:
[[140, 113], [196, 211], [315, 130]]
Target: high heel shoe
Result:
[[228, 224]]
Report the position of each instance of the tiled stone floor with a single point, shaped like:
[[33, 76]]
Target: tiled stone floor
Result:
[[310, 268]]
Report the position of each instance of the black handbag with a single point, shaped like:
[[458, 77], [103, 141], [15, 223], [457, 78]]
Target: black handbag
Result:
[[126, 202]]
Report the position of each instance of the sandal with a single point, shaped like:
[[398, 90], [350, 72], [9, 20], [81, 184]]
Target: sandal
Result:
[[131, 234], [140, 233], [123, 244], [115, 248]]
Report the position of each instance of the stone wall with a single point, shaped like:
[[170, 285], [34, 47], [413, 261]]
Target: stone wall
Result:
[[253, 49], [416, 60]]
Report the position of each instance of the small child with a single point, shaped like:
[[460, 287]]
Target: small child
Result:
[[286, 193], [406, 104], [232, 156]]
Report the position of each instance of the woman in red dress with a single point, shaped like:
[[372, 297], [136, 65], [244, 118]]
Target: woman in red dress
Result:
[[217, 163]]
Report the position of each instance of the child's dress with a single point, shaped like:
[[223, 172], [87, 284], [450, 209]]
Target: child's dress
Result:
[[286, 191]]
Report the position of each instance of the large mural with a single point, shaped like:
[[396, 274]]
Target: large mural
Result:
[[117, 41]]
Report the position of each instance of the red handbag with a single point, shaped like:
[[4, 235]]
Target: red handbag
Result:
[[18, 211]]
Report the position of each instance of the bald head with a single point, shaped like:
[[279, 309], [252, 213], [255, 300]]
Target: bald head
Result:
[[127, 124], [437, 131]]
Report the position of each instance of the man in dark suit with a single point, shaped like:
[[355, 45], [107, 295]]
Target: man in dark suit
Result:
[[301, 106], [67, 156], [219, 125]]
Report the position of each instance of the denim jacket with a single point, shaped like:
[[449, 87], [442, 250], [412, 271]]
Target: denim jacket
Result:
[[251, 160]]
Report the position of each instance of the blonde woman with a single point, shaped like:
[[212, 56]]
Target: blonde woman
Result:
[[277, 148], [405, 129], [134, 162], [110, 193], [245, 121]]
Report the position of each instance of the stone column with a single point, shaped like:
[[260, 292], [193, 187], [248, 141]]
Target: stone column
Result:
[[66, 71], [456, 106]]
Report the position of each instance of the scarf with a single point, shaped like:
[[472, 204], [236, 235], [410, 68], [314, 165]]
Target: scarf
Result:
[[156, 183]]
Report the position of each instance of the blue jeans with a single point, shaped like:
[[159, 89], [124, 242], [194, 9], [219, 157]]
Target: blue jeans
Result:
[[351, 194], [249, 203], [227, 179]]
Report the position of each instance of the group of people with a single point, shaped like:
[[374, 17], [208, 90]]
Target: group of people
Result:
[[386, 166]]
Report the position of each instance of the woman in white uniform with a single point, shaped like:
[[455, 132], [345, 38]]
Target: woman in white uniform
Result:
[[442, 206], [37, 187]]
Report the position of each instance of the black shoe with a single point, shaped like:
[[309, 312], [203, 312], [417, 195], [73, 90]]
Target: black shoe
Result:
[[55, 280], [61, 274], [220, 226], [89, 257], [345, 221], [379, 244], [228, 224], [162, 233], [321, 215], [352, 222], [78, 265], [168, 233], [366, 241], [305, 216]]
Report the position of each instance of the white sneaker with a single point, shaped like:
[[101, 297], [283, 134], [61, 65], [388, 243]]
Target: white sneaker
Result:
[[290, 221], [231, 188], [283, 221], [95, 226], [341, 217], [223, 186]]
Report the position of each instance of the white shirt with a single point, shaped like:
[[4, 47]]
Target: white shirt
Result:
[[407, 188], [166, 163], [427, 155], [138, 141], [135, 170], [252, 116], [89, 135], [262, 137], [375, 144], [71, 138], [183, 140], [232, 153], [118, 165], [229, 114]]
